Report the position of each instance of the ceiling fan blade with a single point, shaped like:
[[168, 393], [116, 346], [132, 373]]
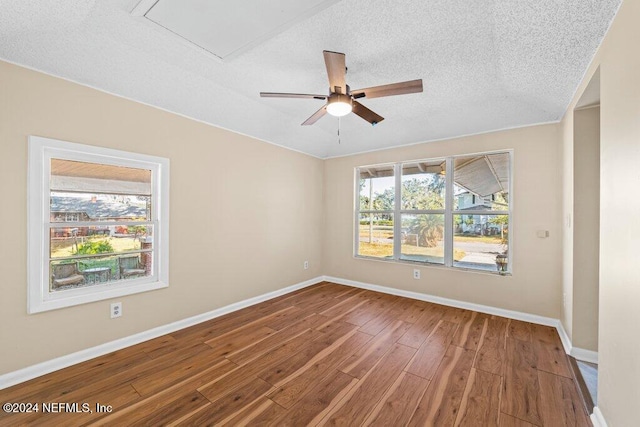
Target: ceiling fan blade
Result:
[[291, 95], [316, 116], [336, 70], [366, 113], [412, 86]]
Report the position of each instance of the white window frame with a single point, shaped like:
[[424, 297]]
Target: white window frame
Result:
[[448, 212], [41, 150]]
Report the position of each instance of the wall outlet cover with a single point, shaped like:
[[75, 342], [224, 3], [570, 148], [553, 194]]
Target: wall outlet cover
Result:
[[542, 234], [116, 309]]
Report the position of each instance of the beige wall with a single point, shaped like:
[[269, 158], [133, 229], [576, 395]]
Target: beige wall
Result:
[[586, 235], [244, 214], [619, 376], [619, 289], [536, 282]]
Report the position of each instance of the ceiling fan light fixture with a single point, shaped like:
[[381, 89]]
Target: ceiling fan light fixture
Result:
[[339, 105]]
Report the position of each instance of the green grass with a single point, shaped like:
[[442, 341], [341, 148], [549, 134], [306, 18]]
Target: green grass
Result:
[[375, 250], [470, 238], [65, 248], [386, 250]]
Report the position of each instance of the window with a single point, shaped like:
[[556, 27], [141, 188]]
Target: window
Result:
[[422, 211], [98, 223], [377, 206], [453, 211]]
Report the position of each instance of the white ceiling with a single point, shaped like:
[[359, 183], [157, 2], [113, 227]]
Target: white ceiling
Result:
[[486, 65]]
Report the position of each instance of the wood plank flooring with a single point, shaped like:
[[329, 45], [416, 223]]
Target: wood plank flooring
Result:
[[324, 355]]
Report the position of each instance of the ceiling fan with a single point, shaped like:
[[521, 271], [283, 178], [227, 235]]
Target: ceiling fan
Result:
[[341, 99]]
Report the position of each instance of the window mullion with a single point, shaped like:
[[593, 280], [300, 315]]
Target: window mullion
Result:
[[67, 224], [397, 225], [448, 216], [422, 212], [378, 212], [356, 227]]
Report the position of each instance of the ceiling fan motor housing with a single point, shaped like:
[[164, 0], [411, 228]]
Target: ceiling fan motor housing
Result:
[[339, 104]]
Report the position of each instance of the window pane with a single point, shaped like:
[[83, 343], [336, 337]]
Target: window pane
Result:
[[423, 185], [68, 207], [84, 191], [482, 182], [79, 273], [377, 187], [72, 241], [423, 238], [376, 235], [478, 239]]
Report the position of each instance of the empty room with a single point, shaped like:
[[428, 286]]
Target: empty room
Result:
[[321, 212]]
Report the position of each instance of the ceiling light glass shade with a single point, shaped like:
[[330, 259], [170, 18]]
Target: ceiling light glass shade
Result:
[[339, 105]]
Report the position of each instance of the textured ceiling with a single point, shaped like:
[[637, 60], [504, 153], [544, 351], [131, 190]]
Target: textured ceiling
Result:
[[486, 65]]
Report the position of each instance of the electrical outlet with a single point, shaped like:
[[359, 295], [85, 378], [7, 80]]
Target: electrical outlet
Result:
[[306, 265], [416, 273], [116, 309], [542, 234]]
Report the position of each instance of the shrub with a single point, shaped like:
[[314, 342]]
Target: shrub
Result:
[[140, 230], [94, 247]]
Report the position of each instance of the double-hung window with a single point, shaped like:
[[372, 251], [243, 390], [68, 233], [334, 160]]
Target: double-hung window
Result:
[[98, 223], [451, 211]]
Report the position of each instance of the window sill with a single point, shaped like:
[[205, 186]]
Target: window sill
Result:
[[434, 265], [71, 297]]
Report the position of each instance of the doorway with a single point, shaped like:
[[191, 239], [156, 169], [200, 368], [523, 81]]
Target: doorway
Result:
[[586, 234]]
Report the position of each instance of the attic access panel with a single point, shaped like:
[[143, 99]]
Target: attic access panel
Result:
[[224, 28]]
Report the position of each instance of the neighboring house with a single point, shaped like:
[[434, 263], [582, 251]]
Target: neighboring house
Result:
[[73, 209], [468, 201], [476, 224]]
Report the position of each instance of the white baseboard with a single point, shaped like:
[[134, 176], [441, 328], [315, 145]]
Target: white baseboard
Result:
[[597, 418], [516, 315], [577, 352], [564, 337], [584, 355], [30, 372]]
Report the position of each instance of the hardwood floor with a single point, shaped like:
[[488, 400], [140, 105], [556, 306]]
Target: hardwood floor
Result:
[[324, 355]]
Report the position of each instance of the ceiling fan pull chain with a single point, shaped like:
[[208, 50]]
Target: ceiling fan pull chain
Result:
[[338, 130]]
